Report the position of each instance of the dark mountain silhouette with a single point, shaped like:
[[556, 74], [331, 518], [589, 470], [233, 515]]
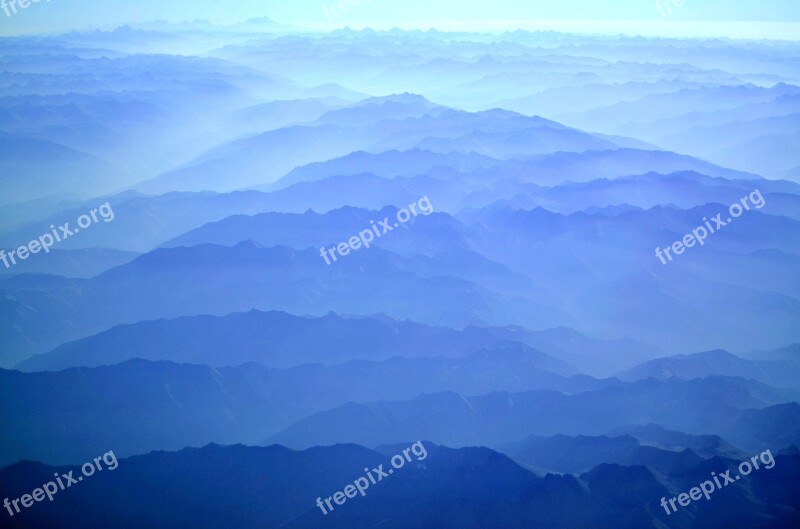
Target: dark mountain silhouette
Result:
[[243, 487]]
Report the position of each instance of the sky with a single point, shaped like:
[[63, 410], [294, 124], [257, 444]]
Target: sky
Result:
[[59, 15]]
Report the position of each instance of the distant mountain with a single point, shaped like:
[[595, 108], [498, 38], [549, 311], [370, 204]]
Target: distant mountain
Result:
[[33, 169], [592, 356], [143, 222], [705, 446], [790, 353], [572, 455], [773, 155], [535, 140], [263, 158], [386, 164], [760, 429], [145, 121], [276, 114], [571, 99], [452, 181], [247, 403], [482, 258], [500, 418], [563, 167], [13, 216], [456, 180], [218, 280], [256, 160], [434, 243], [604, 281], [424, 234], [373, 110], [278, 339], [166, 217], [683, 189], [765, 146], [399, 122], [701, 365], [749, 127], [260, 24], [254, 24], [782, 105], [84, 263], [619, 116]]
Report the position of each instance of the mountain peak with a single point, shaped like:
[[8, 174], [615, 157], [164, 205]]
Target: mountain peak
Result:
[[406, 98]]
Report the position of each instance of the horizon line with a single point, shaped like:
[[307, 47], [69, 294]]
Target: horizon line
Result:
[[679, 29]]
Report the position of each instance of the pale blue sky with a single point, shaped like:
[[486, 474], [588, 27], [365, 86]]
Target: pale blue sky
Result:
[[72, 14]]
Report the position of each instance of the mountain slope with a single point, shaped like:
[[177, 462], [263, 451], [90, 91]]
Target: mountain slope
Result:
[[723, 363], [470, 488], [504, 417]]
